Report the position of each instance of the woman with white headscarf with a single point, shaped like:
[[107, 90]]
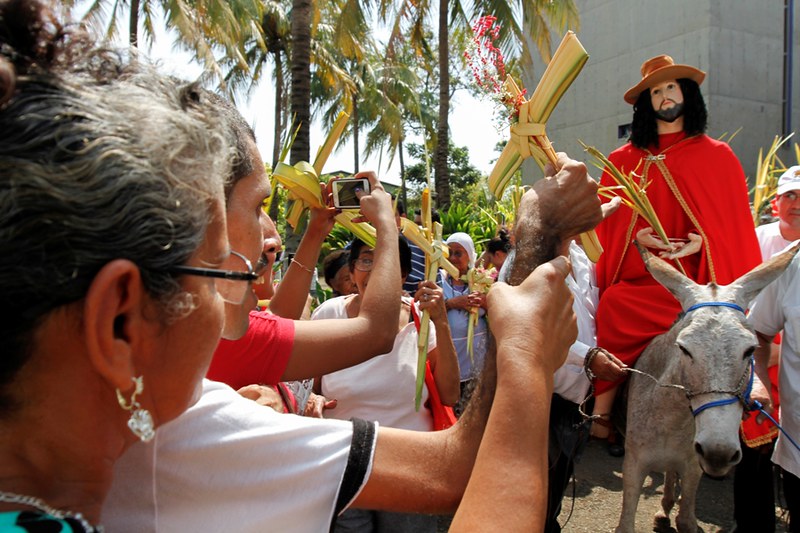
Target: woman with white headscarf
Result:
[[459, 300]]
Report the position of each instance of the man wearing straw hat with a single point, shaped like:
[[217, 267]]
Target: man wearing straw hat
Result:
[[699, 193]]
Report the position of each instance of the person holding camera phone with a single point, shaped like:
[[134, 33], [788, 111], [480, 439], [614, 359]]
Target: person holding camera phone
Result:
[[383, 387]]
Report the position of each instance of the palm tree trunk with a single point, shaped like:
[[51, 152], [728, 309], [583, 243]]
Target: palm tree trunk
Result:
[[355, 136], [301, 96], [440, 158], [402, 175], [301, 78], [278, 126], [133, 23]]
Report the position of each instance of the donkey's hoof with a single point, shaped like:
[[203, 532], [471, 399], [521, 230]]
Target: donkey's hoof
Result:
[[661, 523]]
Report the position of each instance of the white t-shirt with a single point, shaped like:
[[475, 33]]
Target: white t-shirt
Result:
[[778, 308], [381, 388], [770, 240], [229, 464], [570, 381]]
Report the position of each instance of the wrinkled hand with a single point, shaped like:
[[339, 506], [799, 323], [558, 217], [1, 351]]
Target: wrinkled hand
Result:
[[566, 200], [607, 367], [376, 207], [459, 302], [317, 405], [477, 299], [760, 393], [535, 317], [263, 395], [431, 298]]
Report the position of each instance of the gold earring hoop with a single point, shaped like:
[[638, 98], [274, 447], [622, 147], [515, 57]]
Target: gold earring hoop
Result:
[[141, 422]]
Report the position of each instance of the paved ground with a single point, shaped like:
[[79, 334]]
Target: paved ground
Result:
[[598, 498]]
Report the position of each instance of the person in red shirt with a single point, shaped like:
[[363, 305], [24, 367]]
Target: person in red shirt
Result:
[[699, 192]]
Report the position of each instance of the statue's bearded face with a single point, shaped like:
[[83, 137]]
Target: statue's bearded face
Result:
[[667, 100]]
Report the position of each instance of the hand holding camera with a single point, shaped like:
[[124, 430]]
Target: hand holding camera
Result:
[[375, 203], [345, 192]]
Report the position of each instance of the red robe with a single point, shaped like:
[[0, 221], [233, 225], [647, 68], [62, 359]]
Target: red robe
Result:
[[713, 203]]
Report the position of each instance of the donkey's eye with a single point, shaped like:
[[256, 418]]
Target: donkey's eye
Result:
[[748, 352], [685, 351]]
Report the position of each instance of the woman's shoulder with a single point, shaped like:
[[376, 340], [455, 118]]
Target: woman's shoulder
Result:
[[332, 308]]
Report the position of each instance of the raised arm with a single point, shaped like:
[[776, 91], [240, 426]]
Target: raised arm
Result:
[[290, 296], [428, 472], [558, 207], [443, 358], [325, 346], [533, 325]]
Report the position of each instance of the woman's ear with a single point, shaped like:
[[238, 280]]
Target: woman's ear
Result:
[[113, 321]]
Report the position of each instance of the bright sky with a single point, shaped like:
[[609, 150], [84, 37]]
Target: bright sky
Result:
[[471, 122]]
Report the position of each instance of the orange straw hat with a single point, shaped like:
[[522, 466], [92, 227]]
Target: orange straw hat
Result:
[[662, 68]]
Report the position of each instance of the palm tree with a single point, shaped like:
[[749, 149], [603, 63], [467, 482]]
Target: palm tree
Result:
[[201, 25], [301, 78], [275, 28], [400, 101], [451, 17]]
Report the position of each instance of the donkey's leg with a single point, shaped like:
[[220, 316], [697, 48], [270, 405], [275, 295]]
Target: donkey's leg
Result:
[[633, 475], [661, 520], [686, 521]]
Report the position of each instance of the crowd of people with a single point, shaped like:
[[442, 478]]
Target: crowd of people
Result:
[[153, 372]]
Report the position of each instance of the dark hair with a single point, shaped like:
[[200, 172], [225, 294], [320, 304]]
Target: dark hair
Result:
[[500, 242], [86, 176], [405, 254], [401, 207], [333, 262], [434, 214], [644, 128]]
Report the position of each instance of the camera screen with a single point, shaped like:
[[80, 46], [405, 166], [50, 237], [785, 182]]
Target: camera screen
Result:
[[347, 192]]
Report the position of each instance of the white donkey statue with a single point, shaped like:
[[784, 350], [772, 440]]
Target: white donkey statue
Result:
[[692, 426]]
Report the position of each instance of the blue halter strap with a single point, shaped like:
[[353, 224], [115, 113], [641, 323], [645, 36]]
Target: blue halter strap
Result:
[[737, 396], [714, 304], [742, 397]]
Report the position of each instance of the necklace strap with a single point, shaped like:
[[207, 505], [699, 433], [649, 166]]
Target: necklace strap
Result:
[[40, 505]]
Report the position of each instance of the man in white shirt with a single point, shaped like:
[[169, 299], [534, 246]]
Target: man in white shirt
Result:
[[776, 236], [777, 308]]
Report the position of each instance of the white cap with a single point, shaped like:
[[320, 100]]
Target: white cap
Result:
[[789, 180]]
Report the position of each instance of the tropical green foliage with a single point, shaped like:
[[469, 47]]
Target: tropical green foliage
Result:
[[463, 175]]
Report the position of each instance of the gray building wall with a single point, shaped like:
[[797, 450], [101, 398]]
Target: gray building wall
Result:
[[738, 43]]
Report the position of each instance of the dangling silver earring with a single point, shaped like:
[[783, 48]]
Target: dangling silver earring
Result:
[[140, 422]]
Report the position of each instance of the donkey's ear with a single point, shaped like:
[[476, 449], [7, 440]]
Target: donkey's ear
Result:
[[681, 287], [748, 286]]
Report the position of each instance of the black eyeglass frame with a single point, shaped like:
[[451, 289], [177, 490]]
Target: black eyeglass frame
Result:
[[233, 275]]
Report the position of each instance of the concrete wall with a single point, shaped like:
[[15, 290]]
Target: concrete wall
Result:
[[739, 43]]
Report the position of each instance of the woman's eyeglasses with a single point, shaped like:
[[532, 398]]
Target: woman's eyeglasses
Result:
[[228, 278], [364, 265]]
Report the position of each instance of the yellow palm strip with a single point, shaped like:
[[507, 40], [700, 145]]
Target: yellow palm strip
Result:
[[767, 177], [330, 141], [302, 182], [528, 137], [425, 319], [631, 194], [413, 233]]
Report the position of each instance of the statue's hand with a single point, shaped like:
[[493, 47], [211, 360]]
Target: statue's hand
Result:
[[692, 247]]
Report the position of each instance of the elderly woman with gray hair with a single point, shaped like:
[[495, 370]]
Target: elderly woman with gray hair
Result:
[[112, 244], [459, 300]]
